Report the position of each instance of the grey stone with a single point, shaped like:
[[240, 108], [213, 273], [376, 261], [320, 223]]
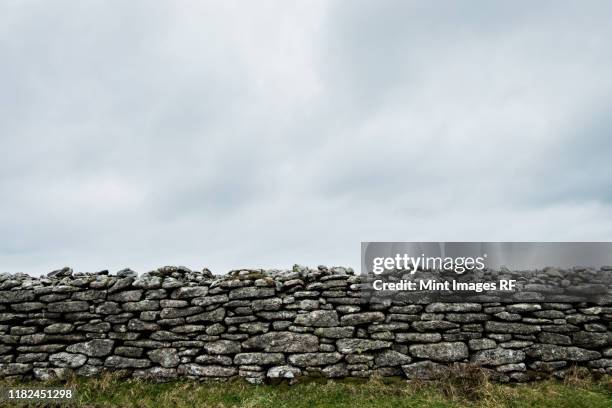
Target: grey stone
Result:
[[424, 370], [418, 337], [551, 352], [286, 342], [318, 318], [314, 359], [196, 370], [69, 306], [283, 371], [335, 332], [69, 360], [126, 296], [391, 358], [482, 344], [351, 346], [215, 315], [251, 292], [443, 352], [165, 357], [514, 328], [259, 358], [188, 292], [361, 318], [222, 347], [498, 356], [59, 328], [453, 307], [93, 348], [125, 362]]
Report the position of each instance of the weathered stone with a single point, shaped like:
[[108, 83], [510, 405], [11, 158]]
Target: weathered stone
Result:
[[515, 328], [125, 362], [69, 360], [334, 332], [283, 371], [418, 337], [187, 292], [126, 296], [173, 313], [222, 347], [391, 358], [336, 371], [318, 318], [69, 306], [453, 307], [259, 358], [592, 339], [93, 348], [59, 328], [140, 306], [215, 315], [423, 370], [350, 346], [250, 292], [165, 357], [14, 369], [443, 352], [267, 304], [482, 344], [286, 342], [48, 374], [551, 352], [362, 318], [16, 296], [434, 325], [498, 356], [314, 359], [196, 370], [523, 307]]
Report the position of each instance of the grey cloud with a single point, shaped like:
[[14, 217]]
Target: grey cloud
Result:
[[207, 135]]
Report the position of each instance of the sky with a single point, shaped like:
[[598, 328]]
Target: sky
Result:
[[262, 134]]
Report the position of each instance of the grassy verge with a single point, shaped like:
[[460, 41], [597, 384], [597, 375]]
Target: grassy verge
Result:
[[111, 391]]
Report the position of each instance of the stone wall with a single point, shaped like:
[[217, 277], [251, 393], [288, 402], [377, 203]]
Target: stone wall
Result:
[[174, 322]]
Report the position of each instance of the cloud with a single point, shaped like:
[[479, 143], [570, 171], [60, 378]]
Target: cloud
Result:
[[258, 135]]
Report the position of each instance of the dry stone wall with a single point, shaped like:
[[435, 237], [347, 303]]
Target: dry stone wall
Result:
[[259, 325]]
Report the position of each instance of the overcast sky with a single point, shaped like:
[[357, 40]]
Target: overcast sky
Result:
[[262, 134]]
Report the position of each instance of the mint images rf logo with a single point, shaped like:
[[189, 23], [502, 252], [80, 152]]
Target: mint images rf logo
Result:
[[405, 262]]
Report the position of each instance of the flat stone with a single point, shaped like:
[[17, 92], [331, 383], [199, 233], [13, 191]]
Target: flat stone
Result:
[[424, 370], [69, 360], [314, 359], [391, 358], [250, 292], [69, 306], [351, 346], [362, 318], [552, 352], [165, 357], [498, 356], [443, 352], [318, 318], [222, 347], [126, 362], [513, 328], [453, 307], [286, 342], [283, 371], [93, 348], [197, 370], [259, 358]]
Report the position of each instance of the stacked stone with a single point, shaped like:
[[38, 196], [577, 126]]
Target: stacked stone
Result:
[[258, 325]]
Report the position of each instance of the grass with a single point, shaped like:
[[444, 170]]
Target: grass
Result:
[[112, 391]]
